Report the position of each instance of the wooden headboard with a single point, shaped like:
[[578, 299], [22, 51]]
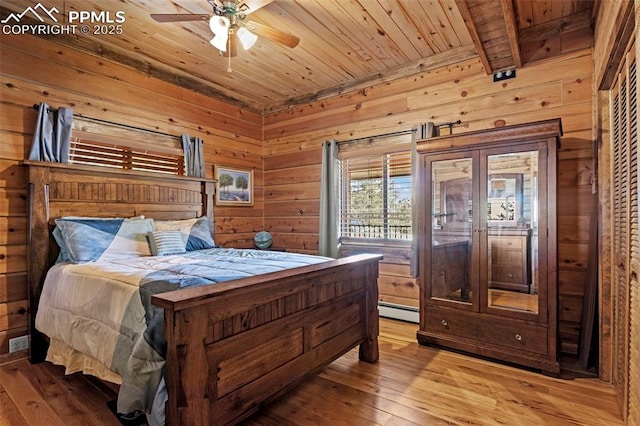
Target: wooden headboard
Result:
[[57, 190]]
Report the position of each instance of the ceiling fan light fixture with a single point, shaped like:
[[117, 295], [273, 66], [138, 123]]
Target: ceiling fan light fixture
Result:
[[247, 38], [219, 26], [219, 42]]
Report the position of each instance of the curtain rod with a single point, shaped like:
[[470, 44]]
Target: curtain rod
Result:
[[384, 135], [449, 124], [126, 126]]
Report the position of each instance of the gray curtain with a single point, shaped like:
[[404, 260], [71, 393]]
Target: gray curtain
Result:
[[328, 244], [193, 156], [52, 135], [426, 130]]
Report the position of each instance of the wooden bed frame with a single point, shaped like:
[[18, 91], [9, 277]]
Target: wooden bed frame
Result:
[[234, 346]]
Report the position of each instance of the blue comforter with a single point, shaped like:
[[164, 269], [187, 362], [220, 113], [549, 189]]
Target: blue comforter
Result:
[[103, 310]]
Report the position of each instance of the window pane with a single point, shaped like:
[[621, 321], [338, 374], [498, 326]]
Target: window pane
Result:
[[365, 207], [376, 197], [399, 207]]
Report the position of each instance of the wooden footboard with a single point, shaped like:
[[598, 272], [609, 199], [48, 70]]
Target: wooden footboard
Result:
[[235, 346]]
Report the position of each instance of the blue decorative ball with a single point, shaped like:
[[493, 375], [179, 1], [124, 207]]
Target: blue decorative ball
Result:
[[263, 240]]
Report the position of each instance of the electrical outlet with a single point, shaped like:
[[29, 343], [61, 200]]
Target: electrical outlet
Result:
[[18, 344]]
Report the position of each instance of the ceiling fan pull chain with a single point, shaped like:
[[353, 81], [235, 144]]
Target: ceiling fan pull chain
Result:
[[229, 51]]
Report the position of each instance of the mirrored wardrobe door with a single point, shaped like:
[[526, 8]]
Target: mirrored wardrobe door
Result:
[[511, 216], [452, 212]]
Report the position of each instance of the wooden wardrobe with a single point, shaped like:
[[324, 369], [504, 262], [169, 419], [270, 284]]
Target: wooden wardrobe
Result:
[[488, 257]]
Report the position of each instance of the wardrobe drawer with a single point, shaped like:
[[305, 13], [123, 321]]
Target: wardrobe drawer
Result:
[[488, 329], [522, 336], [450, 322]]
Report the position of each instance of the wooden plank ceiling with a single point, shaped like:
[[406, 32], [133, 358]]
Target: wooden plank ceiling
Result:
[[344, 44]]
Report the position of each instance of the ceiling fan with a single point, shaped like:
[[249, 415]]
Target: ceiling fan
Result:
[[228, 25]]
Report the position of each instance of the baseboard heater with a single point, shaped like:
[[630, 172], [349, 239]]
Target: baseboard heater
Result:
[[401, 312]]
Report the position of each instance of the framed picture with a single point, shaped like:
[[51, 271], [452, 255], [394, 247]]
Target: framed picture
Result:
[[234, 187]]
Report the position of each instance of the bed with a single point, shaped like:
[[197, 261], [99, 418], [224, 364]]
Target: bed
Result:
[[230, 347]]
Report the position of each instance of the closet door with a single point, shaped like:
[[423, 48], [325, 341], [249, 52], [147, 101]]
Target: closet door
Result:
[[626, 241]]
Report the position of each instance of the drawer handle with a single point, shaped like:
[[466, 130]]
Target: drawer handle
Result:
[[510, 275], [445, 323], [518, 337]]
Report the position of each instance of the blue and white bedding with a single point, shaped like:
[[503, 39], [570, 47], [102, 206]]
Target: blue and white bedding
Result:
[[88, 239], [103, 308]]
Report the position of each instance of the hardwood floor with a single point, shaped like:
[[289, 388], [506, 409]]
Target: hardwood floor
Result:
[[411, 384]]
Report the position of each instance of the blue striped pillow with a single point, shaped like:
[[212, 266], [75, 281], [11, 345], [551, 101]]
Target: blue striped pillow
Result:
[[196, 233], [165, 243]]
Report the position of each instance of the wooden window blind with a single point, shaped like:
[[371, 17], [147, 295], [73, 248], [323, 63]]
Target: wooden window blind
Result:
[[375, 201], [84, 150]]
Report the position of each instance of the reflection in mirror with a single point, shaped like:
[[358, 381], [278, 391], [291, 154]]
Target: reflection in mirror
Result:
[[452, 210], [504, 200], [512, 203]]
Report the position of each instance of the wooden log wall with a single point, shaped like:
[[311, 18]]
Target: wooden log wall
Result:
[[575, 178], [554, 88], [287, 181], [34, 70]]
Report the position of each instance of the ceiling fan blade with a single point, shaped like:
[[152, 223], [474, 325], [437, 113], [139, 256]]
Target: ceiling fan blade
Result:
[[178, 17], [253, 5], [272, 34]]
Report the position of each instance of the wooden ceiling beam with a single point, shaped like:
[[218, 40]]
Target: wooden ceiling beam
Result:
[[439, 60], [512, 30], [463, 8]]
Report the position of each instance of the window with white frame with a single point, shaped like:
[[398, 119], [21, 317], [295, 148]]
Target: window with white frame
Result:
[[375, 198]]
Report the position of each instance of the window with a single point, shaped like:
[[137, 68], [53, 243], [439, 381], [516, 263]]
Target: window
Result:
[[96, 142], [375, 199], [86, 151]]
